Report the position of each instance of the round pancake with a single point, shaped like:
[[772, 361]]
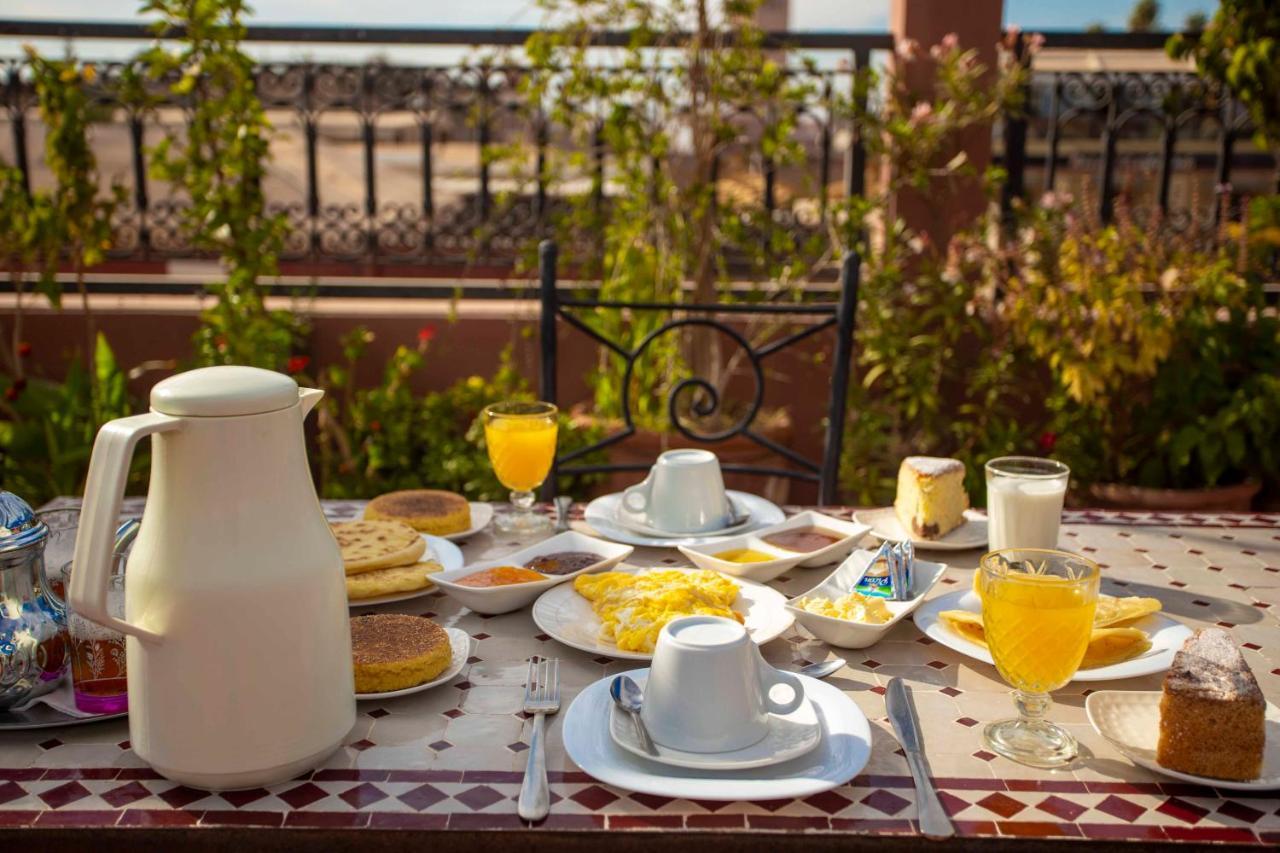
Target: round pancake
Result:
[[381, 582], [425, 510], [393, 651], [369, 545]]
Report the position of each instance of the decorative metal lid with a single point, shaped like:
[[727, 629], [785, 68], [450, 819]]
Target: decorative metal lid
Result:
[[19, 527]]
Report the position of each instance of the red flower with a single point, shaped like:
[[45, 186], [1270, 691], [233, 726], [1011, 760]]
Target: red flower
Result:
[[1047, 441], [24, 349], [298, 363], [426, 333], [375, 426]]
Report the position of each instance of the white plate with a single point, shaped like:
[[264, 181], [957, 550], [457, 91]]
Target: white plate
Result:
[[601, 514], [790, 736], [459, 644], [504, 599], [1130, 719], [859, 635], [884, 524], [1167, 636], [843, 752], [566, 616], [439, 549], [481, 515], [703, 556]]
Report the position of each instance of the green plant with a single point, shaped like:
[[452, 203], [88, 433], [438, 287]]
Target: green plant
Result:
[[373, 440], [220, 163], [49, 427], [678, 201], [917, 389], [1159, 358], [1240, 49]]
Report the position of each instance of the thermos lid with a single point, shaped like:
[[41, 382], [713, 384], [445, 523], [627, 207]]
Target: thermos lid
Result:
[[19, 527], [225, 391]]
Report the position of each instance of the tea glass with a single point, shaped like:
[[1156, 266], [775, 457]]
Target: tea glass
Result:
[[1024, 501], [1037, 613], [521, 440], [99, 681]]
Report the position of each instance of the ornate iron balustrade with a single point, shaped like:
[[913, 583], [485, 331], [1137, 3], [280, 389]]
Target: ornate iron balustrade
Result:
[[381, 168]]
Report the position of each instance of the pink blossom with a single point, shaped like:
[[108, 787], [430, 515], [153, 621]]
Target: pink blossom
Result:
[[907, 49], [921, 113], [1035, 42]]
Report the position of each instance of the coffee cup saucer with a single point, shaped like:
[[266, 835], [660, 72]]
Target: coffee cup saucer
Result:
[[634, 521], [790, 736]]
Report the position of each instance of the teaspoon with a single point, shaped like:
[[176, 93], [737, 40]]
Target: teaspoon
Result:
[[823, 669], [628, 696]]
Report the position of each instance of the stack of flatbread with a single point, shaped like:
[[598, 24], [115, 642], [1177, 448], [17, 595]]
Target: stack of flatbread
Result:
[[383, 558]]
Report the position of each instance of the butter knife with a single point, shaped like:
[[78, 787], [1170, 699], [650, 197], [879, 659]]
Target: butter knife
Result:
[[934, 822]]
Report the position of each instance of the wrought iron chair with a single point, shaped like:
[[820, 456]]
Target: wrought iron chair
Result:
[[838, 316]]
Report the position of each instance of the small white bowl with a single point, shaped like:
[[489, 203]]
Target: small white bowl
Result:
[[858, 635], [703, 556], [503, 599]]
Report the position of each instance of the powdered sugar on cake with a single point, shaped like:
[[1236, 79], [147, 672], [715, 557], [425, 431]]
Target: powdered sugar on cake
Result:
[[934, 466], [1210, 665]]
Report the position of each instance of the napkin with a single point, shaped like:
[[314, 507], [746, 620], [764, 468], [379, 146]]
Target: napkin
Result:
[[60, 699]]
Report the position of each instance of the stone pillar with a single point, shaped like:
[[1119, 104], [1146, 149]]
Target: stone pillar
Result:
[[978, 25]]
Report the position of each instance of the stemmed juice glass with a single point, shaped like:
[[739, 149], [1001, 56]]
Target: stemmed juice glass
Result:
[[521, 438], [1037, 613]]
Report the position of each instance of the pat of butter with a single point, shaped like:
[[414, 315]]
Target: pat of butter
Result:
[[853, 607]]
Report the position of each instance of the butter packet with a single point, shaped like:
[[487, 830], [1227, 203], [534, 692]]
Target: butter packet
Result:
[[878, 582]]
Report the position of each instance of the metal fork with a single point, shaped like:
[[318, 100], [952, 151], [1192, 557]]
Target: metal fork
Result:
[[541, 697]]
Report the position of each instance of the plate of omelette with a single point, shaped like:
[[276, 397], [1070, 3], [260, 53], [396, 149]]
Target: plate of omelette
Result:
[[620, 613]]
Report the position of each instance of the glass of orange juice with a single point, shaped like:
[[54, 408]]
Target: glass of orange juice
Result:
[[1037, 614], [521, 438]]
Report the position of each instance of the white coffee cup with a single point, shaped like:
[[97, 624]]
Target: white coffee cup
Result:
[[709, 688], [684, 493]]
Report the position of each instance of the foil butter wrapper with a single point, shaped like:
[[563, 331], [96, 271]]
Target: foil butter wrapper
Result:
[[878, 580]]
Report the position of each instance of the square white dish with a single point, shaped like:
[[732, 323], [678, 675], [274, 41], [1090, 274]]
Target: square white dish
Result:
[[859, 635], [504, 599], [765, 571]]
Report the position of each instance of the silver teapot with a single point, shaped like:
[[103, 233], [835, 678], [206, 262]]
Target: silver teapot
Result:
[[33, 616]]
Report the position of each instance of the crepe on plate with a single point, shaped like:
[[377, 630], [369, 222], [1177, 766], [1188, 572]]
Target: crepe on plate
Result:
[[1112, 640]]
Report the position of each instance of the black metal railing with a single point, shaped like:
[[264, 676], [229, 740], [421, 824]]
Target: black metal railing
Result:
[[381, 169]]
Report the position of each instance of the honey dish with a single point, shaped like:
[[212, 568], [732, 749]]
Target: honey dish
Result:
[[822, 610], [563, 551]]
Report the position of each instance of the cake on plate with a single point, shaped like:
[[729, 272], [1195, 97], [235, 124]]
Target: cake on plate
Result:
[[1212, 713], [931, 498]]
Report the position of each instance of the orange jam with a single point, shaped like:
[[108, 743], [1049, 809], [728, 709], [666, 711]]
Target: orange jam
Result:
[[500, 576]]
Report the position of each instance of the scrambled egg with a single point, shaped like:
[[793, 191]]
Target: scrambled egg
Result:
[[633, 608], [854, 607]]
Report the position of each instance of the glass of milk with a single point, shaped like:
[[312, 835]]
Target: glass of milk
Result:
[[1024, 501]]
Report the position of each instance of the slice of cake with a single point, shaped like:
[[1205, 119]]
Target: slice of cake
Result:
[[1212, 711], [931, 497]]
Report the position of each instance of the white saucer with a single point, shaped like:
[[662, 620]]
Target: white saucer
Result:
[[633, 522], [839, 756], [459, 644], [1130, 720], [601, 514], [481, 515], [1167, 636], [439, 549], [790, 736], [885, 525]]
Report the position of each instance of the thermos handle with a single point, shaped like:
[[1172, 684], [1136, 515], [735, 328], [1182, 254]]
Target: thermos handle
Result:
[[108, 474]]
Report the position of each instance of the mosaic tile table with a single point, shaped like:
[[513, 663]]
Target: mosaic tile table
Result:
[[451, 758]]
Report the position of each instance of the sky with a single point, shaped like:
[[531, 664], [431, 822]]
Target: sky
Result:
[[805, 14]]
